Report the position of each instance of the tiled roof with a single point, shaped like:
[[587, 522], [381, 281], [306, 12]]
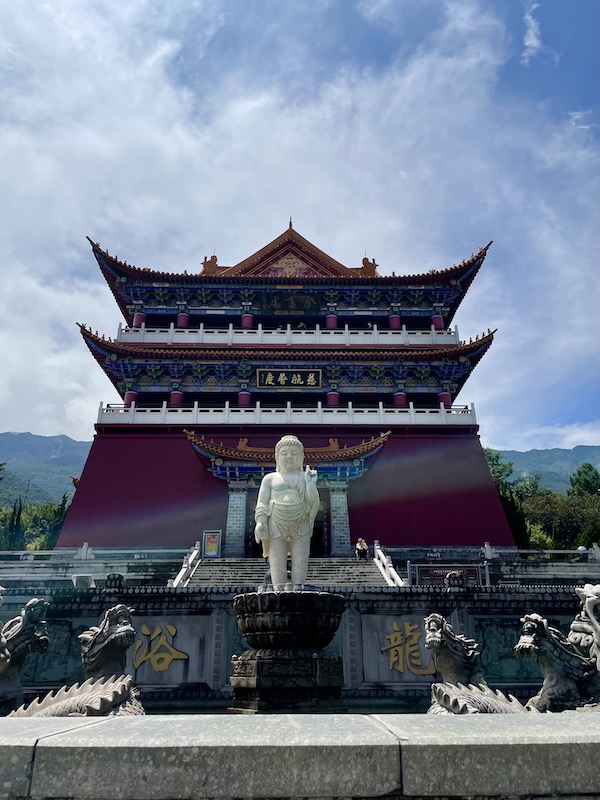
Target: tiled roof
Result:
[[112, 267]]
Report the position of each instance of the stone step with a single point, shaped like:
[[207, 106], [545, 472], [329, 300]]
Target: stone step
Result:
[[251, 572]]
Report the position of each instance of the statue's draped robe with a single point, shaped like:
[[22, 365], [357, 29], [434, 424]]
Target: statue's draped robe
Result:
[[289, 520]]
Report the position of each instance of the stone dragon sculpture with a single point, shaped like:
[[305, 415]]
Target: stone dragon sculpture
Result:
[[4, 651], [570, 665], [104, 647], [107, 691], [454, 655], [4, 654], [566, 672], [103, 697], [584, 631], [457, 698], [21, 635]]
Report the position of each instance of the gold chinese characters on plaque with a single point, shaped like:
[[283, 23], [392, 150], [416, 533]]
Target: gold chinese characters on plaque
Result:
[[288, 378]]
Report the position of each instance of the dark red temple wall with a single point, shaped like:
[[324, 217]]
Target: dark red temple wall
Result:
[[150, 490], [143, 491], [429, 490]]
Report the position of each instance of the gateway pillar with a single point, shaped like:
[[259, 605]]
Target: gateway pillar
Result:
[[341, 544], [235, 530]]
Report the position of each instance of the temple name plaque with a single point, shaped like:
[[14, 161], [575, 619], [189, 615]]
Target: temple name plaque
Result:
[[288, 378]]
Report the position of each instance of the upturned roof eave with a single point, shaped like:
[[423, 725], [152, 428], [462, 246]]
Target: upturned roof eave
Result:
[[120, 299], [90, 339], [351, 275]]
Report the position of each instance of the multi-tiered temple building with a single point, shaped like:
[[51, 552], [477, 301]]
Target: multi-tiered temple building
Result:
[[212, 368]]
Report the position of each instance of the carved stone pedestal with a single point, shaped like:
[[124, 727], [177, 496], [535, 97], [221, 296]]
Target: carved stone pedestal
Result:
[[285, 670]]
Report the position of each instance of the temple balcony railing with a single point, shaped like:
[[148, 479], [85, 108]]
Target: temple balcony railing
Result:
[[113, 414], [287, 335]]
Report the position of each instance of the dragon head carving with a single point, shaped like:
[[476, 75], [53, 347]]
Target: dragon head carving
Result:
[[104, 647], [27, 632], [536, 636], [564, 669], [541, 641], [454, 655]]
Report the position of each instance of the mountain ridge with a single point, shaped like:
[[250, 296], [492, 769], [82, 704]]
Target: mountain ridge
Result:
[[38, 468]]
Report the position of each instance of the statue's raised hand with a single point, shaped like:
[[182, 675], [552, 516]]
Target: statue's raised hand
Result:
[[310, 475]]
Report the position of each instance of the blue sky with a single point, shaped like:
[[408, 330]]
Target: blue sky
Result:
[[414, 131]]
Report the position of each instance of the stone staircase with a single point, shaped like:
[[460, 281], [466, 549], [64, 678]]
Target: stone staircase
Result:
[[248, 573]]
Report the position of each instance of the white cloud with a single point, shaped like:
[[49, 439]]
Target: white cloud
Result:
[[106, 131], [532, 38], [581, 119]]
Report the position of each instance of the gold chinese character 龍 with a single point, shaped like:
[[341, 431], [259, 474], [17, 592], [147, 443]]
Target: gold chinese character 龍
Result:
[[403, 650]]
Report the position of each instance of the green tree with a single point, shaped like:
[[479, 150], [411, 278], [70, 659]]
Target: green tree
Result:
[[2, 470], [43, 524], [563, 518], [585, 480], [529, 486], [538, 540], [14, 534], [590, 534], [515, 515], [501, 470], [32, 527]]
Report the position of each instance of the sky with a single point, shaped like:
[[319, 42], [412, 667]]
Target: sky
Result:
[[412, 132]]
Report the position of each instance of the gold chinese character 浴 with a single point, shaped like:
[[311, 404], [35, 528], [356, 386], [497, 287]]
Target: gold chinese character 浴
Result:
[[158, 651]]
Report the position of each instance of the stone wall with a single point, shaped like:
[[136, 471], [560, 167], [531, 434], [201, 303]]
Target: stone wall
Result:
[[185, 639]]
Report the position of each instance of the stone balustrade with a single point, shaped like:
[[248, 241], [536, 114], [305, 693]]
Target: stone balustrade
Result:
[[287, 335], [309, 756], [114, 414]]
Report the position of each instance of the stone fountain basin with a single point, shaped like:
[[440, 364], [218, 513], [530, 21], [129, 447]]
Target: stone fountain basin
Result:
[[289, 620]]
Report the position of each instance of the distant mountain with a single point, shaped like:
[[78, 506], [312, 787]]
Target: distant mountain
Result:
[[553, 466], [38, 467]]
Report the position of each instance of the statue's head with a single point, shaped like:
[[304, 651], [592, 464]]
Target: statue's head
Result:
[[289, 454]]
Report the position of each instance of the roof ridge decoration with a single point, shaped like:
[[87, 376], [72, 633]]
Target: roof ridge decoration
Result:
[[268, 260]]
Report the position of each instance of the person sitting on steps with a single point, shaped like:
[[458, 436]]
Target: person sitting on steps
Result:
[[362, 548]]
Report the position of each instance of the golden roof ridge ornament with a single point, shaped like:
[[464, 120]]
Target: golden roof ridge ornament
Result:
[[264, 455]]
